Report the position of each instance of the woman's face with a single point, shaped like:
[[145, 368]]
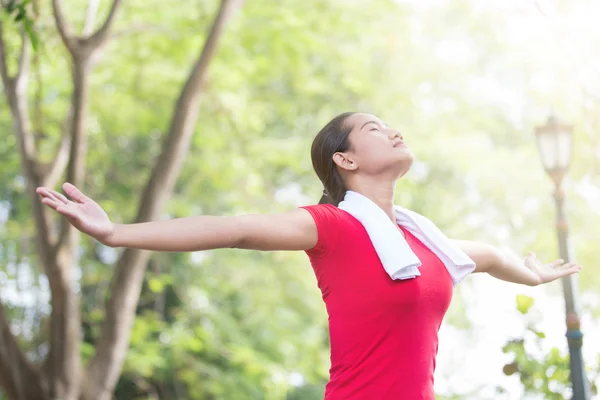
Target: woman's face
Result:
[[375, 147]]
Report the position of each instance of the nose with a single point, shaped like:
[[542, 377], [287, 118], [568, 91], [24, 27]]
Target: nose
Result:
[[394, 134]]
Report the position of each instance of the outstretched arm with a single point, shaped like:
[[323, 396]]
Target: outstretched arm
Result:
[[295, 230], [509, 267]]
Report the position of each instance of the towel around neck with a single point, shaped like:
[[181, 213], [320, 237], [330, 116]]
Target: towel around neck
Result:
[[396, 256]]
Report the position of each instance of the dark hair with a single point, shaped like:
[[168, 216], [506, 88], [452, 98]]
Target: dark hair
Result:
[[331, 139]]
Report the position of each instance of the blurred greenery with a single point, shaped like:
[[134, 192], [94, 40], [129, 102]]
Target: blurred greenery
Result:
[[21, 14], [541, 370], [465, 82]]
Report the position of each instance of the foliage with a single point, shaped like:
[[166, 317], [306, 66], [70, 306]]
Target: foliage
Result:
[[541, 370], [20, 13]]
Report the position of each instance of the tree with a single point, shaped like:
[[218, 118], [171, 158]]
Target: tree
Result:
[[61, 373]]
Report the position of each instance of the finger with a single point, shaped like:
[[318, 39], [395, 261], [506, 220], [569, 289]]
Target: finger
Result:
[[531, 256], [568, 271], [74, 193], [556, 263], [569, 265], [42, 191], [68, 212], [578, 267], [61, 197], [53, 194], [63, 209], [50, 202]]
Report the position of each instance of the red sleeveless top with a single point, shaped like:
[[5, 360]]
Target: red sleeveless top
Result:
[[383, 332]]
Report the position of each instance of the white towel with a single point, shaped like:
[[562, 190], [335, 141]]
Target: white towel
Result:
[[398, 259]]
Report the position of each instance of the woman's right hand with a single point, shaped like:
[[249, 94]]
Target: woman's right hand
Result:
[[82, 212]]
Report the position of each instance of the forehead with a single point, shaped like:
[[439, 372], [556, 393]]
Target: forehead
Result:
[[359, 119]]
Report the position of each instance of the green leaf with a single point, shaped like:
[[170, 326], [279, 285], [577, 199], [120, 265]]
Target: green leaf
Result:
[[11, 6], [156, 285], [21, 14], [539, 334], [524, 303], [87, 350], [33, 37]]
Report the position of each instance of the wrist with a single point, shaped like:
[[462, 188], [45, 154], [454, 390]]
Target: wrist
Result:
[[111, 239], [533, 279], [516, 270]]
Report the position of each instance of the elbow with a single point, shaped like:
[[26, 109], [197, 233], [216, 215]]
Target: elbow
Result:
[[237, 242], [218, 233], [239, 237], [493, 260]]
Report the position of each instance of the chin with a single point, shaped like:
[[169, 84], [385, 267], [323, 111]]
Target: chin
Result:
[[406, 158], [404, 164]]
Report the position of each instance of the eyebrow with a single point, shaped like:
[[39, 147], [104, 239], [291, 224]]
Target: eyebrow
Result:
[[369, 122]]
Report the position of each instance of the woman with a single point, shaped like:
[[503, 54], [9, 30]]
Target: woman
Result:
[[383, 327]]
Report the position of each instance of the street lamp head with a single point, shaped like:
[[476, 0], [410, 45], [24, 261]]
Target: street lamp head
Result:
[[555, 142]]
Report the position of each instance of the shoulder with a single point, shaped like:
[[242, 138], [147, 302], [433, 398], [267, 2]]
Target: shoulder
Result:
[[323, 211], [328, 220]]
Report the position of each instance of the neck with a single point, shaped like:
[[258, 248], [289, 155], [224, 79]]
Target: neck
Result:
[[380, 193]]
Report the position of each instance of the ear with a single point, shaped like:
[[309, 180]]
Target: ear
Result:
[[343, 161]]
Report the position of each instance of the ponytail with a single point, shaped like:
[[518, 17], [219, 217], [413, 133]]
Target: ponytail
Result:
[[331, 139]]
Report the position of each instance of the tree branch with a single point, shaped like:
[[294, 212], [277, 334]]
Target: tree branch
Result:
[[105, 366], [24, 59], [101, 35], [61, 159], [18, 377], [61, 24], [6, 80], [38, 114], [77, 138], [64, 359], [16, 97], [90, 17], [63, 356]]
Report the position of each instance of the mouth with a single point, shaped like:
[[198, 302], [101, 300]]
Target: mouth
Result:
[[399, 143]]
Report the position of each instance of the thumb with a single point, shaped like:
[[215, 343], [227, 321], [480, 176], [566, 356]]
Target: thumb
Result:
[[74, 193], [530, 259]]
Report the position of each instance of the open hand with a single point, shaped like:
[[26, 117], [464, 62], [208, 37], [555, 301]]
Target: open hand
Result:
[[552, 271], [82, 212]]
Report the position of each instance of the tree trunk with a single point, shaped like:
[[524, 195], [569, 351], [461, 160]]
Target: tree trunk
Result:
[[18, 378], [105, 366], [61, 376], [64, 361]]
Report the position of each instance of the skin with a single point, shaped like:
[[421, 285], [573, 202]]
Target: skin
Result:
[[378, 157]]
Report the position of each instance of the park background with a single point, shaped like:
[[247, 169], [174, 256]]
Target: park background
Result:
[[168, 109]]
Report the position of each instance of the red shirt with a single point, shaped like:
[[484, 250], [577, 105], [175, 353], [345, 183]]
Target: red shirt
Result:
[[383, 332]]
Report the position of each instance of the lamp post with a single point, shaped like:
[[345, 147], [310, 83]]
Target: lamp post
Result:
[[554, 140]]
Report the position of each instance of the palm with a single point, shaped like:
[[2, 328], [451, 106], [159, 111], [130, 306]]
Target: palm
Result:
[[552, 271], [82, 212]]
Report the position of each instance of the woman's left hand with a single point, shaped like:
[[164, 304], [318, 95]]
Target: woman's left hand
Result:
[[552, 271]]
